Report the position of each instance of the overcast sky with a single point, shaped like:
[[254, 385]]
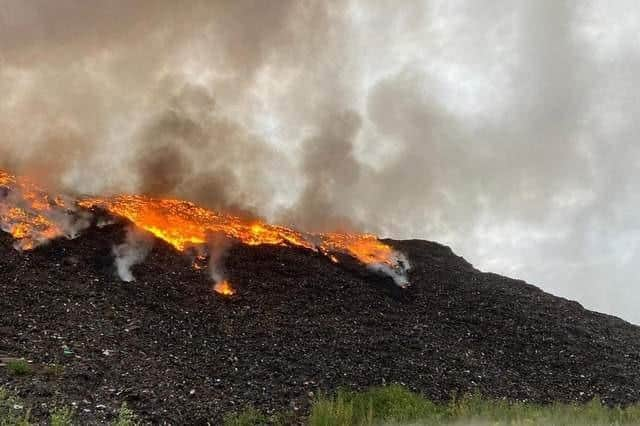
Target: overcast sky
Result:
[[505, 129]]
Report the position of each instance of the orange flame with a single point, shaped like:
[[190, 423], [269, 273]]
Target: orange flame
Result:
[[30, 217], [183, 224], [224, 288], [28, 213]]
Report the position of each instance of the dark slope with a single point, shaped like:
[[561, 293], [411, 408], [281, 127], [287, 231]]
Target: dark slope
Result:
[[176, 351]]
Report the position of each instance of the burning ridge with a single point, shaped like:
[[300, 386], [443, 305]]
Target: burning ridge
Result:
[[33, 217]]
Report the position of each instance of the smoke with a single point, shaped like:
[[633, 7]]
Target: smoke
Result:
[[506, 129], [133, 251], [34, 219], [71, 220], [217, 245], [331, 170], [399, 272]]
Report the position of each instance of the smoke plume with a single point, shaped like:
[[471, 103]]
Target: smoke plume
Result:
[[217, 245], [131, 252], [506, 129]]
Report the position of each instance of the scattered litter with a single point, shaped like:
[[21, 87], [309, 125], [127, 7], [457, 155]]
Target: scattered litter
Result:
[[66, 350]]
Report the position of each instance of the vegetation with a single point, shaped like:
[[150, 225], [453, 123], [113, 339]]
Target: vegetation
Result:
[[53, 370], [377, 405], [382, 406], [12, 410], [62, 417], [396, 406], [252, 417], [126, 417], [19, 367]]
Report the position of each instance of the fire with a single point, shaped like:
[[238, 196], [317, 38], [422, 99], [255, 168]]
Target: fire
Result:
[[224, 288], [366, 248], [31, 216], [199, 261], [183, 224], [28, 213]]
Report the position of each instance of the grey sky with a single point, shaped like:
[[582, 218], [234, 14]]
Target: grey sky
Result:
[[506, 129]]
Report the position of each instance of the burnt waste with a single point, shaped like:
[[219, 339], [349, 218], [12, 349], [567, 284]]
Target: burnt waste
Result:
[[176, 351]]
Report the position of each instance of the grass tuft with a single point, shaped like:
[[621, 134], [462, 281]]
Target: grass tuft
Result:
[[252, 417], [382, 404], [53, 370], [12, 410], [126, 417], [19, 367], [62, 417]]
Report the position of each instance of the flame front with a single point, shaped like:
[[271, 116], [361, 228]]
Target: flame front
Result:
[[31, 216], [224, 288], [28, 213], [183, 224]]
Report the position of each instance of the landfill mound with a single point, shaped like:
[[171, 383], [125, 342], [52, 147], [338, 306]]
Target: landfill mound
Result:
[[175, 351]]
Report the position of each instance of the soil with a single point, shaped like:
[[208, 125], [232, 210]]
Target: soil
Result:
[[177, 352]]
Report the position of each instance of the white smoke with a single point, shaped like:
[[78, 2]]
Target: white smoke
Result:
[[34, 227], [218, 245], [72, 220], [398, 269], [133, 251]]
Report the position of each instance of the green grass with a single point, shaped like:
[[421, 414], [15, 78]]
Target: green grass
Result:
[[12, 410], [126, 417], [62, 417], [247, 417], [395, 406], [19, 367], [252, 417], [375, 406], [382, 406]]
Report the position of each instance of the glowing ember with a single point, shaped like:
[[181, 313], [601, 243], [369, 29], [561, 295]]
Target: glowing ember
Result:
[[199, 262], [224, 288], [364, 247], [30, 215]]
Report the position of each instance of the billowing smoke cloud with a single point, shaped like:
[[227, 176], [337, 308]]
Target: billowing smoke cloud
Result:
[[131, 252], [505, 129]]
